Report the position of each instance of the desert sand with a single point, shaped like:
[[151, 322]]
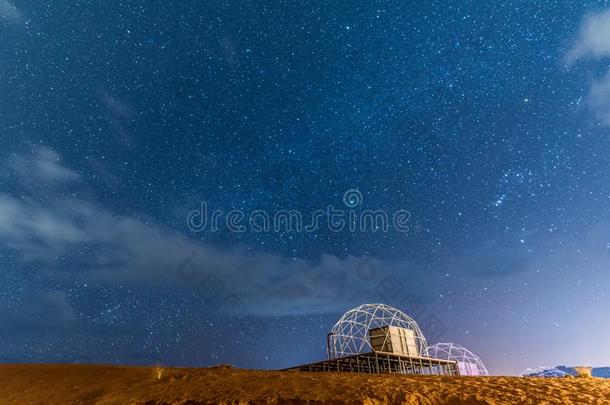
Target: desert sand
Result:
[[85, 384]]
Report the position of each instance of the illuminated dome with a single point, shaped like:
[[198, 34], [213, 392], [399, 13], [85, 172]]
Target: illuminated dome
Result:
[[391, 329], [468, 362], [545, 372]]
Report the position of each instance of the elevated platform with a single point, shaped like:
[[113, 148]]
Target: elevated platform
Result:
[[382, 362]]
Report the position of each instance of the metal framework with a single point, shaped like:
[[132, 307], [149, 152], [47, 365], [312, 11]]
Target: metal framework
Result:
[[379, 362], [544, 372], [350, 335], [377, 338], [468, 362]]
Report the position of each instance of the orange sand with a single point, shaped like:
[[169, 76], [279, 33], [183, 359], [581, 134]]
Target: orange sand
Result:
[[82, 384]]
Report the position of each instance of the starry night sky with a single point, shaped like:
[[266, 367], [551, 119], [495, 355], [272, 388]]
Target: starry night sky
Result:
[[488, 121]]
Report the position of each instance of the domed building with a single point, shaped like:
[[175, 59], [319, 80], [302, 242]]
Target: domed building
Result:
[[468, 362], [544, 372], [378, 338], [375, 327]]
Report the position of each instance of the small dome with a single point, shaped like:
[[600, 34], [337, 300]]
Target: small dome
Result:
[[350, 335], [544, 371], [468, 362]]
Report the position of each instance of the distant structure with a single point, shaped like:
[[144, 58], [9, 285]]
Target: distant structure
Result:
[[468, 362], [588, 371], [544, 371], [377, 338]]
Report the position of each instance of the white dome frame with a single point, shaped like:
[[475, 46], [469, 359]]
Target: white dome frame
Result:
[[544, 372], [350, 335], [469, 364]]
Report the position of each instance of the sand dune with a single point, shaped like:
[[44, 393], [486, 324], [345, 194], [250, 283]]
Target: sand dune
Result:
[[83, 384]]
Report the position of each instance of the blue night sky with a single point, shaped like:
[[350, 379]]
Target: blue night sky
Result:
[[488, 122]]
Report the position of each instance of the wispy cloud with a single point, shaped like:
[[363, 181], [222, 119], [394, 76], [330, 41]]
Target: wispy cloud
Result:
[[593, 39], [593, 42], [599, 98], [43, 164], [9, 12], [45, 227]]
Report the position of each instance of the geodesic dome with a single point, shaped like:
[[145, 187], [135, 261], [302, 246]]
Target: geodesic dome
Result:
[[468, 362], [545, 372], [350, 335]]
